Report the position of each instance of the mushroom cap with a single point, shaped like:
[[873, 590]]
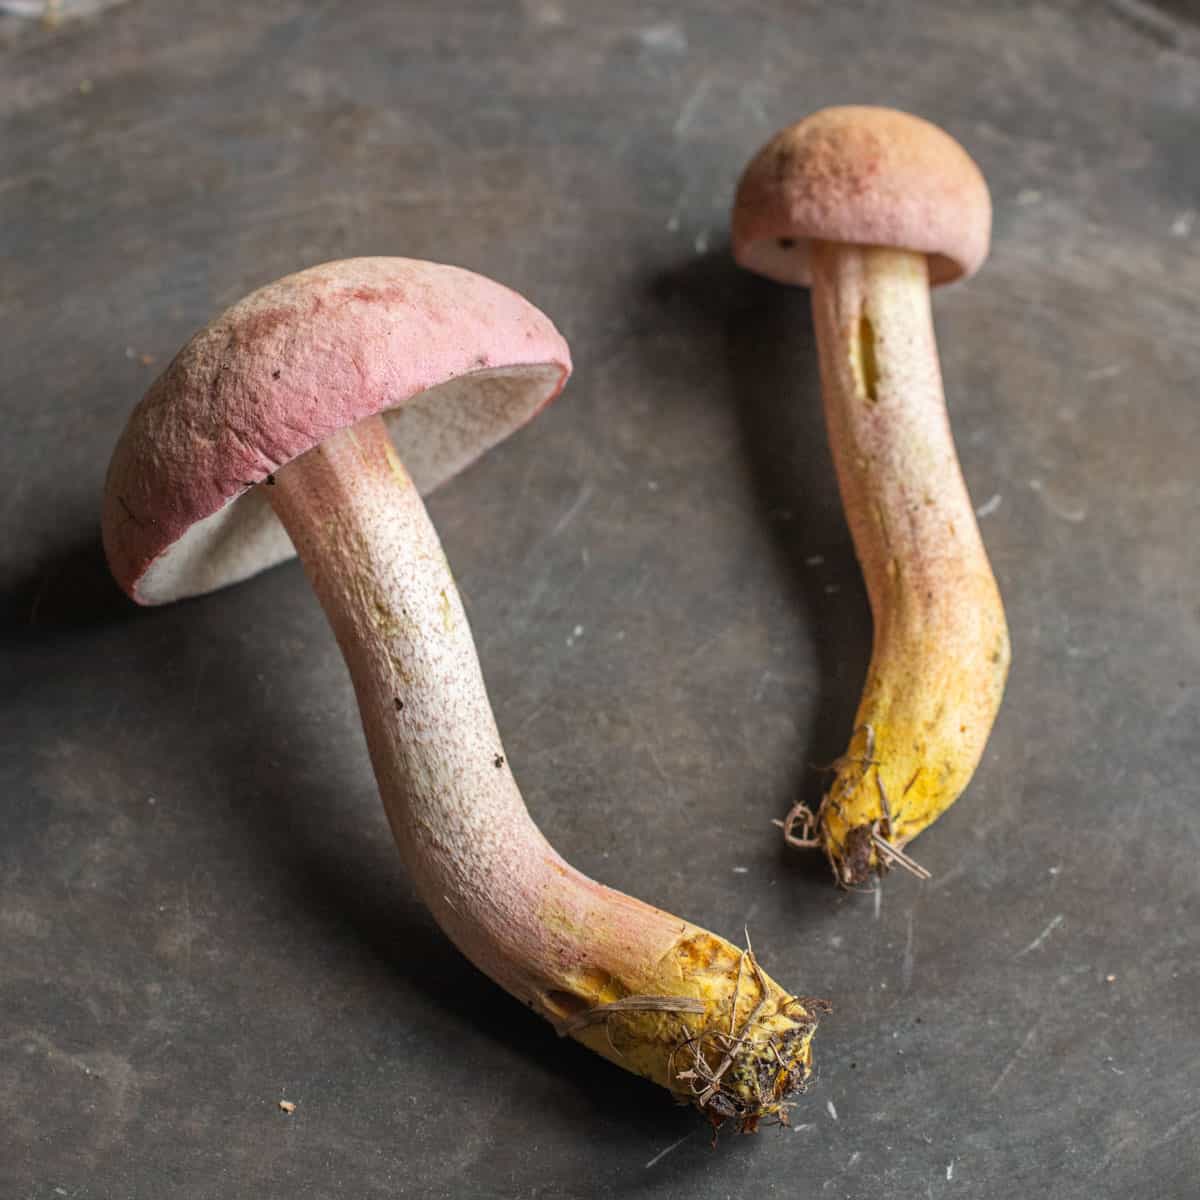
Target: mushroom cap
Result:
[[454, 361], [863, 176]]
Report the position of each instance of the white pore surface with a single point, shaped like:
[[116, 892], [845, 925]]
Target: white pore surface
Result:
[[436, 433]]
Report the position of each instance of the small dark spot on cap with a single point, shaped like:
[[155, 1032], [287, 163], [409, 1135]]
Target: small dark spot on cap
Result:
[[275, 373], [787, 243], [854, 1066], [399, 704], [498, 761], [270, 481]]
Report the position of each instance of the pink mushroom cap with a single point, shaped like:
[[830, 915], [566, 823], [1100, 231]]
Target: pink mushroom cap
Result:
[[454, 362], [867, 177]]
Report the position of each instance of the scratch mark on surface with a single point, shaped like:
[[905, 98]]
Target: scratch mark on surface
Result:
[[665, 39], [576, 506], [751, 101], [989, 506], [906, 970], [673, 221], [1038, 941], [640, 585], [110, 1110], [1026, 1042], [663, 1153], [189, 929], [1150, 21], [659, 771], [1073, 511], [1175, 1130], [690, 107], [960, 868], [530, 718], [701, 651]]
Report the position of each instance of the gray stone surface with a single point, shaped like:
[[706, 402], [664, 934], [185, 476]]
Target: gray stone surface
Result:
[[200, 908]]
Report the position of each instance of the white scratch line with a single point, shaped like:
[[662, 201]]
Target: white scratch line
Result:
[[585, 494], [906, 970], [1175, 1130], [668, 38], [690, 106], [1026, 1042], [989, 506], [748, 99], [1041, 937], [1147, 19], [1075, 513], [950, 1170], [878, 898], [830, 1109], [960, 868], [663, 1153], [1109, 372], [658, 767], [529, 720]]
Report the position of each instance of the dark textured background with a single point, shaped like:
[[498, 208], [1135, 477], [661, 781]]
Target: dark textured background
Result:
[[200, 908]]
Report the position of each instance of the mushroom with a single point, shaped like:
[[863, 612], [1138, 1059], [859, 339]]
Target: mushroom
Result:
[[275, 427], [870, 208]]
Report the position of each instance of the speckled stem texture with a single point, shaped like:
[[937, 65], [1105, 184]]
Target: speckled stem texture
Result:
[[680, 998], [941, 650]]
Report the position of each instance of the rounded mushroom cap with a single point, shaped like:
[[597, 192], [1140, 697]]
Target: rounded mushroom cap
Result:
[[868, 177], [456, 362]]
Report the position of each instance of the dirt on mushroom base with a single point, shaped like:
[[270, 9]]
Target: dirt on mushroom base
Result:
[[722, 1035]]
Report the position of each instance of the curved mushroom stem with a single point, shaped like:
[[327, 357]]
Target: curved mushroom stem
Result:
[[941, 650], [655, 994]]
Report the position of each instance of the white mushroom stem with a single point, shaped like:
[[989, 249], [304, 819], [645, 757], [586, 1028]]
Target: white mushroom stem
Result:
[[552, 937]]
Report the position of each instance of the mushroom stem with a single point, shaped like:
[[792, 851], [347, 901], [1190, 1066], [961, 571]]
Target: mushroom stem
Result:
[[654, 994], [941, 650]]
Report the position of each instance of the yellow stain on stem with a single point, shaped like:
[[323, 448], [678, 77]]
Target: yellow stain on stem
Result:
[[707, 1023]]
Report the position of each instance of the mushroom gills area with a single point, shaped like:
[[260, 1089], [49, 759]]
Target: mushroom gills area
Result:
[[940, 654], [651, 992], [443, 429]]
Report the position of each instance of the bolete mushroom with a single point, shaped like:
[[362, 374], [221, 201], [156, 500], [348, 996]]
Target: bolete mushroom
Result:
[[275, 427], [870, 208]]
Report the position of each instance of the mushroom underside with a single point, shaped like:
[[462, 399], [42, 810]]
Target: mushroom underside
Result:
[[439, 432]]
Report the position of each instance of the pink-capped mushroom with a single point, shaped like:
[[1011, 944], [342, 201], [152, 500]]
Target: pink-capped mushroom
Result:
[[312, 415], [870, 208]]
